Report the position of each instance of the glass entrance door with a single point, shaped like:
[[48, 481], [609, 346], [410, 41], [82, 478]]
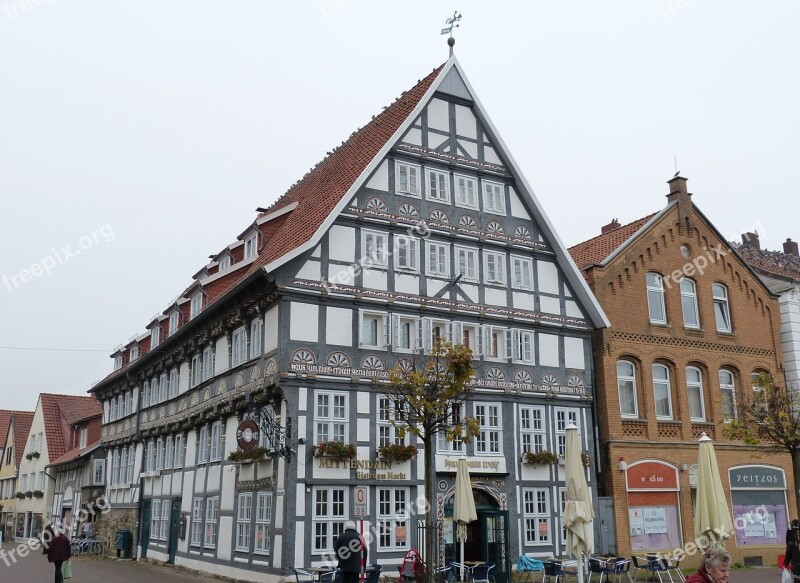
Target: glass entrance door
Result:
[[494, 530]]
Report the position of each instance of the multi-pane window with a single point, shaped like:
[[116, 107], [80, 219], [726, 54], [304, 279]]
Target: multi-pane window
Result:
[[727, 388], [406, 253], [202, 445], [251, 246], [694, 384], [626, 386], [407, 179], [406, 334], [216, 441], [210, 523], [691, 317], [98, 472], [662, 391], [494, 199], [330, 512], [496, 342], [134, 353], [467, 263], [523, 346], [330, 416], [208, 363], [388, 412], [466, 191], [256, 333], [722, 312], [197, 369], [196, 305], [392, 517], [532, 433], [536, 513], [165, 508], [491, 433], [374, 248], [150, 456], [160, 453], [196, 536], [494, 267], [263, 522], [224, 262], [374, 330], [655, 298], [155, 337], [174, 320], [457, 445], [438, 259], [239, 346], [564, 417], [438, 186], [173, 383], [115, 459], [163, 391], [146, 394], [177, 461], [155, 519], [521, 273], [471, 338], [244, 510], [169, 452]]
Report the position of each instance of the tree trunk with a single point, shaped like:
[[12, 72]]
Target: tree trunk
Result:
[[430, 510], [796, 476]]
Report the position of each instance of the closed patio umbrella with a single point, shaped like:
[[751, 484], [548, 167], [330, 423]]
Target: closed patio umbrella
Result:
[[578, 511], [712, 517], [463, 506]]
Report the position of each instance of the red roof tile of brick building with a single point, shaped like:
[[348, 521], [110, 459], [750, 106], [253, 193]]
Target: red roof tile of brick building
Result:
[[60, 412], [595, 250], [22, 425], [773, 262]]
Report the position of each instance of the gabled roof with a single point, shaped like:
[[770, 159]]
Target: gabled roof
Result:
[[61, 411], [596, 250], [74, 454], [21, 423], [777, 263], [5, 422]]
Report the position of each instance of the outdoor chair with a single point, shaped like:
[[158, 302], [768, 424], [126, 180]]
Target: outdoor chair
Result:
[[333, 576], [373, 574], [650, 565], [622, 567], [442, 574], [481, 573], [600, 567], [554, 569], [673, 565], [458, 568], [303, 576]]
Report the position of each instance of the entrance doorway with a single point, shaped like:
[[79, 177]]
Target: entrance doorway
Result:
[[145, 526]]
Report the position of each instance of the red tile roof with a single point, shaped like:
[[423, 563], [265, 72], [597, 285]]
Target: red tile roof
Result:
[[21, 423], [6, 419], [321, 189], [597, 249], [74, 454], [60, 412], [774, 262]]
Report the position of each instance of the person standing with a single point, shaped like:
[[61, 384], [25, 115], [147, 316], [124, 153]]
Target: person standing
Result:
[[351, 552], [58, 552], [87, 529]]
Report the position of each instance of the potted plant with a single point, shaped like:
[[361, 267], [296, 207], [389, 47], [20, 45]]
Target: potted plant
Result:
[[20, 495], [256, 454], [335, 449], [539, 458], [38, 494], [29, 494], [397, 452]]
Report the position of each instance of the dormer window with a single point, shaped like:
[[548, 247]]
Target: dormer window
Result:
[[251, 246], [155, 337], [84, 437], [196, 306], [134, 353], [174, 319], [118, 362], [224, 263]]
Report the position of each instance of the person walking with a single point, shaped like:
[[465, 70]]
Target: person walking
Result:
[[715, 567], [58, 552], [351, 552], [792, 556]]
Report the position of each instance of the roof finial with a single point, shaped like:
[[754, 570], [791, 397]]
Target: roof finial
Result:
[[451, 23]]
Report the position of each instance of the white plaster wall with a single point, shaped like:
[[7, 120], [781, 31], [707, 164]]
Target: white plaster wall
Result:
[[339, 327], [303, 323], [380, 179], [436, 140], [549, 305], [191, 449], [523, 300], [471, 291], [465, 122], [408, 284], [495, 297], [375, 279], [221, 360], [413, 136], [310, 270], [435, 286], [548, 277], [572, 309], [438, 115], [517, 208], [490, 155], [271, 329], [224, 537], [199, 483], [342, 243], [363, 430], [574, 353], [470, 147], [548, 349], [341, 274]]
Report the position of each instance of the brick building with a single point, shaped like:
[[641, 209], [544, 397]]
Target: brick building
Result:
[[690, 324]]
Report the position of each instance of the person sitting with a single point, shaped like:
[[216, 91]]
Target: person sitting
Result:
[[715, 567]]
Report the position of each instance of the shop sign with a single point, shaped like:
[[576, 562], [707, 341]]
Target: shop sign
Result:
[[752, 477], [651, 476], [476, 464]]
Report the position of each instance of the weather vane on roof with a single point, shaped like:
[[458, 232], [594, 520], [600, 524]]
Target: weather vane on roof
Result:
[[451, 23]]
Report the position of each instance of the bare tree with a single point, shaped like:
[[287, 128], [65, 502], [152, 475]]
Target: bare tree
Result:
[[427, 396], [770, 418]]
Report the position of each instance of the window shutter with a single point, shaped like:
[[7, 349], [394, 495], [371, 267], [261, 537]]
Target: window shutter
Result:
[[501, 264], [360, 329], [491, 269], [486, 333], [433, 264], [479, 340], [413, 180], [396, 328], [457, 333], [509, 344], [387, 329], [426, 333], [515, 340]]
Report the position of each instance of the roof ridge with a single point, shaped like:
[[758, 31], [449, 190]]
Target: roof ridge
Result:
[[615, 229]]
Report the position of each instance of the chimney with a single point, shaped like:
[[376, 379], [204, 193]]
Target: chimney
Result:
[[790, 247], [678, 192], [614, 224], [751, 240]]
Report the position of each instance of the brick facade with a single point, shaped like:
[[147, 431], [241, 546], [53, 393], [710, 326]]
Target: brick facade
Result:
[[678, 241]]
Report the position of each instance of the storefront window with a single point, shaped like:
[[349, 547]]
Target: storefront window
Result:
[[759, 505], [653, 506]]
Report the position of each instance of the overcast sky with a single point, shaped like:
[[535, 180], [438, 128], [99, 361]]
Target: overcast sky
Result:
[[137, 138]]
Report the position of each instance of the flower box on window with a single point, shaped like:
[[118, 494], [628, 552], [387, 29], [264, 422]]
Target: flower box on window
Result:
[[29, 494], [20, 495], [38, 494], [539, 458], [256, 454], [397, 452], [334, 449], [31, 455]]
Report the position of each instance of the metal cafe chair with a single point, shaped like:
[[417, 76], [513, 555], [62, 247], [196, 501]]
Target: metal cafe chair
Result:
[[330, 576], [600, 567], [303, 576], [481, 573], [651, 564], [554, 569], [673, 565]]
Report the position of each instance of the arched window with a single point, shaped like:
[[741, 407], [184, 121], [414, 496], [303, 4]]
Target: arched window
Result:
[[626, 385], [727, 388], [722, 311], [655, 298], [694, 384], [691, 317], [759, 378], [662, 391]]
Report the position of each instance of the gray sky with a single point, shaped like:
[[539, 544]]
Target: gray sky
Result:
[[137, 138]]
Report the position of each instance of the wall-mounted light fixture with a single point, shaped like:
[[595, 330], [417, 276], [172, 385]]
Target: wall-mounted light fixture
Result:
[[684, 467], [622, 465]]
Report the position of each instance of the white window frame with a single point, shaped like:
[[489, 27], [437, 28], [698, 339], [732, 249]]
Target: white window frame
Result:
[[382, 329], [256, 334], [155, 337], [412, 172], [470, 270], [399, 324], [174, 322], [375, 249], [239, 346], [203, 445], [163, 390], [466, 188], [662, 384], [196, 305], [169, 452], [331, 416], [494, 198], [437, 259], [393, 514], [429, 328], [655, 297], [210, 522], [244, 511], [160, 454], [197, 369], [388, 433], [196, 534], [224, 263], [328, 515], [489, 441], [535, 512], [627, 379], [437, 185], [494, 268], [456, 446], [497, 343], [730, 389], [215, 454], [406, 253], [722, 307], [134, 353], [251, 246], [470, 335], [533, 435], [263, 521], [98, 472], [521, 273], [208, 363], [563, 416], [174, 379], [689, 297], [695, 386], [155, 518], [523, 346], [146, 394], [177, 461]]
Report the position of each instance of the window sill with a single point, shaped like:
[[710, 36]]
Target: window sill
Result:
[[407, 194]]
